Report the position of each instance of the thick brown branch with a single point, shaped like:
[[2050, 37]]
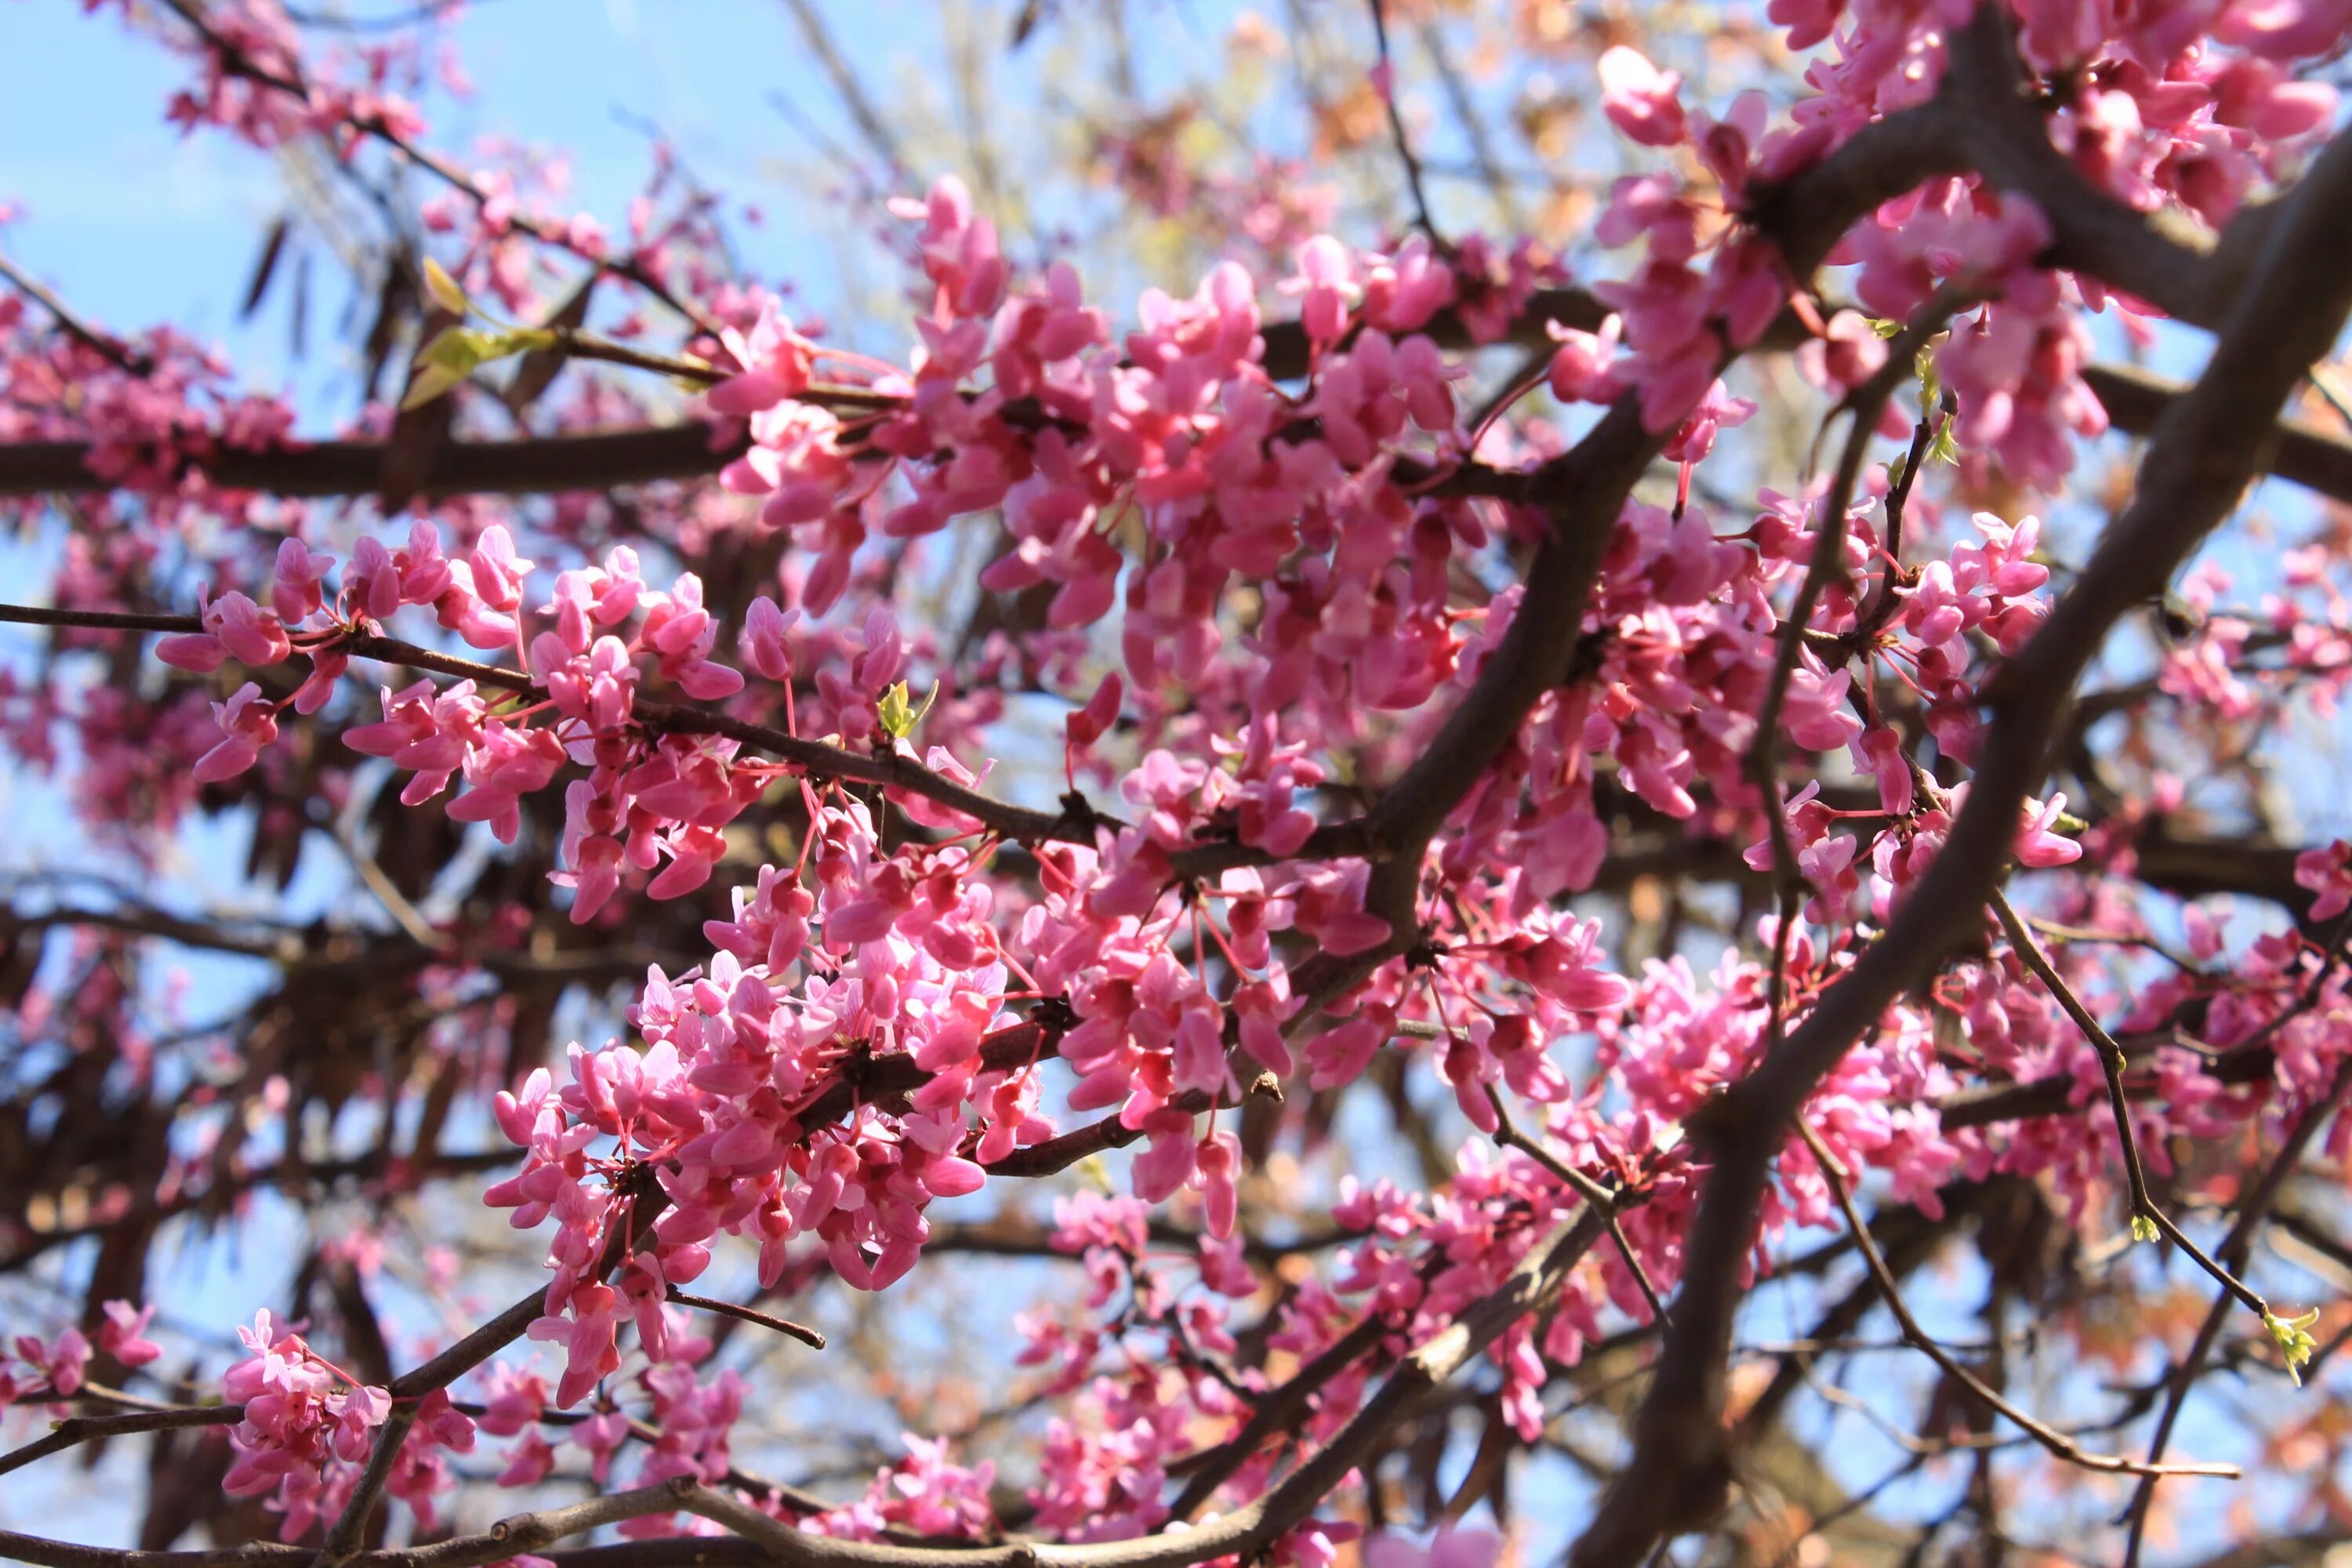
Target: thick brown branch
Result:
[[589, 461], [604, 460], [2204, 454]]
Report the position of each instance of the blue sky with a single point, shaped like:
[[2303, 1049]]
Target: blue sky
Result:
[[139, 224], [147, 223]]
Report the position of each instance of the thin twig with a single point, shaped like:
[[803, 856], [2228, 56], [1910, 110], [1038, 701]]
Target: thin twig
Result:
[[1387, 84], [1883, 603], [123, 354], [237, 62], [855, 99], [1508, 1134], [387, 892], [79, 1429], [2234, 1246], [2149, 1220], [1863, 405], [1833, 1174], [2111, 1057], [800, 1331], [1474, 126]]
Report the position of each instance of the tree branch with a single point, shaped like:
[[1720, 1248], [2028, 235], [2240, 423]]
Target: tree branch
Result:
[[1530, 1286], [234, 60], [120, 353], [2203, 456], [820, 760], [1891, 1291]]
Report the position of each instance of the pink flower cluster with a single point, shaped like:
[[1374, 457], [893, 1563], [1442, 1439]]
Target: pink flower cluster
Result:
[[309, 1428], [57, 1366], [855, 1050]]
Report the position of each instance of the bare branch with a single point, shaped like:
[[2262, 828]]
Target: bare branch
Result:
[[123, 356], [785, 1326], [77, 1430], [1890, 1292], [1386, 83]]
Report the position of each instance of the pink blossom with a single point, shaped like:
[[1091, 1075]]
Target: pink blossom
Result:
[[2039, 846], [1846, 355], [1639, 99], [248, 721], [295, 591], [122, 1335], [2327, 871], [57, 1361], [1451, 1547], [1581, 370], [252, 636]]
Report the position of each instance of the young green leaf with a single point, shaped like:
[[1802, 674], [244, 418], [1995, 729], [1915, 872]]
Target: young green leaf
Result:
[[455, 352], [459, 349], [897, 715], [2293, 1337], [430, 381], [444, 290]]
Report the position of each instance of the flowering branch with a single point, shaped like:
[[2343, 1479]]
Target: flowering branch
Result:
[[2144, 1211], [1401, 700], [1509, 1135], [818, 758], [2200, 460], [1528, 1288], [1863, 405], [235, 60]]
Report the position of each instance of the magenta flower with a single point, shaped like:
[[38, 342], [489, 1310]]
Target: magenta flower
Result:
[[248, 721], [1641, 100]]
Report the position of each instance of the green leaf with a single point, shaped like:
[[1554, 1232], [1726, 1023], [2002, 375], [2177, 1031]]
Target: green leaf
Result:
[[898, 715], [894, 712], [2144, 1228], [430, 381], [1944, 447], [2293, 1337], [455, 352], [459, 349], [444, 290]]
